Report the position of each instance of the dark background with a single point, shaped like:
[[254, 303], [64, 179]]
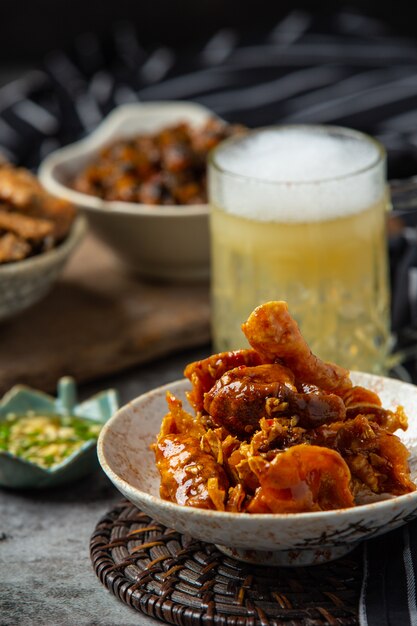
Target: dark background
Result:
[[371, 44], [29, 30]]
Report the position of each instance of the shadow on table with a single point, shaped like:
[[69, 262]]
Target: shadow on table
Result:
[[92, 488]]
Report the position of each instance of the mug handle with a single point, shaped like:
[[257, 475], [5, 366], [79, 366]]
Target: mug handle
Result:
[[404, 194], [402, 231]]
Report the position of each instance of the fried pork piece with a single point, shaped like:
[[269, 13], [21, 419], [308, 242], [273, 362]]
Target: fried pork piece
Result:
[[203, 374], [361, 401], [13, 248], [274, 334], [25, 227], [302, 478], [376, 458], [242, 396], [18, 186], [24, 194], [189, 476], [59, 212]]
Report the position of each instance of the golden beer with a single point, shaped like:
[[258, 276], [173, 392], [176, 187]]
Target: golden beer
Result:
[[317, 242]]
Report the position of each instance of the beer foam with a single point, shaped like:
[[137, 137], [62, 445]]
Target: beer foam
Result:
[[298, 174]]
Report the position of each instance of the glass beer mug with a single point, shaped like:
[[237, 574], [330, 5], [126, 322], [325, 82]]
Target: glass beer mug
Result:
[[298, 214]]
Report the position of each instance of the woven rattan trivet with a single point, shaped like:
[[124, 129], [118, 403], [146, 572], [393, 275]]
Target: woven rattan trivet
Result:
[[182, 581]]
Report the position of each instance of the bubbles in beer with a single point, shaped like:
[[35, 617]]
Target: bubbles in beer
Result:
[[319, 173]]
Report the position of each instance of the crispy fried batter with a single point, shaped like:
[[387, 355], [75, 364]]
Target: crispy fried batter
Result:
[[25, 227], [19, 187], [60, 213], [277, 434], [361, 401], [274, 334], [177, 420], [375, 456]]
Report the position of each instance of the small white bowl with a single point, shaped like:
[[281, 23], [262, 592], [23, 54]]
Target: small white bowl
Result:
[[22, 283], [167, 242], [291, 539]]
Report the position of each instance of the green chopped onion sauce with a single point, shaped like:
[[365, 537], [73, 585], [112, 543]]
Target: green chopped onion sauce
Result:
[[45, 439]]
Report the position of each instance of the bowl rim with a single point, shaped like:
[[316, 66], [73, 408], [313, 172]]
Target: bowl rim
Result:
[[50, 257], [222, 516], [104, 133]]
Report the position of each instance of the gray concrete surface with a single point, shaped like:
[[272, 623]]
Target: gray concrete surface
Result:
[[46, 578]]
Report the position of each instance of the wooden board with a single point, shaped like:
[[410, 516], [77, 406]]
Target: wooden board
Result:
[[99, 319]]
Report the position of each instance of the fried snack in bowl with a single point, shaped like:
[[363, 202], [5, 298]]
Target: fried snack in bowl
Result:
[[166, 167], [140, 179], [31, 220], [268, 452], [37, 235]]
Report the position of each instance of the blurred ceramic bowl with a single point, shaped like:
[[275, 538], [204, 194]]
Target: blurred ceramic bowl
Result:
[[164, 242], [22, 283], [290, 539], [16, 472]]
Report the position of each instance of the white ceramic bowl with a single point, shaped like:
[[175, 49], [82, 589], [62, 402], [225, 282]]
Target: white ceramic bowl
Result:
[[292, 539], [167, 242], [25, 282]]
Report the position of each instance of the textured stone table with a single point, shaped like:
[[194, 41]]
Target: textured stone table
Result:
[[46, 578]]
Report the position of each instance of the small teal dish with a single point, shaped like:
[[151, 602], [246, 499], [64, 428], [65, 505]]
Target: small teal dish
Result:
[[16, 472]]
